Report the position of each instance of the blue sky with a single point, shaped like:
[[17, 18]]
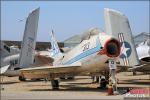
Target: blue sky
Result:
[[68, 18]]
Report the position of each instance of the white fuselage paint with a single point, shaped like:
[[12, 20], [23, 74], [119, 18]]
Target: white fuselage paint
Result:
[[12, 61], [86, 53], [143, 51]]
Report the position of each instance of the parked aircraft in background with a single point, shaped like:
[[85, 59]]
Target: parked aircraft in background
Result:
[[93, 54], [143, 50], [13, 59], [11, 56], [6, 51]]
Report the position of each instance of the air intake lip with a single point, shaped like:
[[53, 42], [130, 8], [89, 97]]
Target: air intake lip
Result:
[[111, 48]]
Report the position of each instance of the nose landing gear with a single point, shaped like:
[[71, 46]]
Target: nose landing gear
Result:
[[112, 79]]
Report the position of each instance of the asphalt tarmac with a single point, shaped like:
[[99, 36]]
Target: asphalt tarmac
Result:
[[79, 88]]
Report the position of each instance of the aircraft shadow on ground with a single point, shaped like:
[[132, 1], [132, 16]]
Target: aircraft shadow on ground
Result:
[[73, 88], [79, 83], [134, 82], [7, 83], [136, 74], [65, 80], [79, 78], [34, 80]]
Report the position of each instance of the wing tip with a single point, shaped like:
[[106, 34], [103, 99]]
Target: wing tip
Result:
[[35, 10], [108, 10]]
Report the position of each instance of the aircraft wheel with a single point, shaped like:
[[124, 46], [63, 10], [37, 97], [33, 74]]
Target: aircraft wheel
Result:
[[103, 83], [70, 78], [134, 72], [22, 78], [62, 78], [35, 79], [55, 84]]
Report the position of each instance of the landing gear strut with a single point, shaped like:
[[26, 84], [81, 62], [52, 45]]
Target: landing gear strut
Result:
[[113, 81], [134, 72], [55, 84], [21, 78], [103, 83]]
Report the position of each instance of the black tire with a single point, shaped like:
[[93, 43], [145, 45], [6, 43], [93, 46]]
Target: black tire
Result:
[[103, 83], [55, 84], [134, 73], [97, 79], [70, 78], [22, 78], [62, 78], [35, 79]]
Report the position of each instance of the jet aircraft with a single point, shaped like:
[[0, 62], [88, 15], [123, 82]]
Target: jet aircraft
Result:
[[95, 54], [143, 51], [13, 59]]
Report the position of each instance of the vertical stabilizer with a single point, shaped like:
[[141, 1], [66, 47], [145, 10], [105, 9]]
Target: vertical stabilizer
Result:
[[29, 39], [117, 24], [54, 45]]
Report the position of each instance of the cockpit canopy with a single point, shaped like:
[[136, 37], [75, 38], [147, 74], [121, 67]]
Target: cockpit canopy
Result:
[[74, 40], [91, 32]]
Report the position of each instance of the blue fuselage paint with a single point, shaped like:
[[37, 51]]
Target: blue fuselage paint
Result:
[[85, 53]]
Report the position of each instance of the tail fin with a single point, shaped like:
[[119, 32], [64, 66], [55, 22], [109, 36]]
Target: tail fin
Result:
[[29, 39], [117, 25], [54, 45]]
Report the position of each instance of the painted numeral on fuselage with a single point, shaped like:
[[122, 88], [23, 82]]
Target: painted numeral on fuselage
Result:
[[86, 46]]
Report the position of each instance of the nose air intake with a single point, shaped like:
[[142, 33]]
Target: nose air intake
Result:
[[112, 48]]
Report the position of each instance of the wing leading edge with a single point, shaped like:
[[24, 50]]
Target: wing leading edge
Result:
[[49, 71]]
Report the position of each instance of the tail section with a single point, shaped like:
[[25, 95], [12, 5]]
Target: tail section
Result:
[[54, 45], [117, 25], [29, 39]]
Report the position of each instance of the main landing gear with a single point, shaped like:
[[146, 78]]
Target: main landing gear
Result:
[[103, 83], [21, 78], [55, 84]]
